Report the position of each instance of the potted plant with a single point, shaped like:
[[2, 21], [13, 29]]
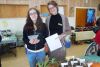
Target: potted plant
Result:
[[53, 63], [43, 64]]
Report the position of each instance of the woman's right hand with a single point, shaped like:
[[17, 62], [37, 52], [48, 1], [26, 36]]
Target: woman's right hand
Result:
[[34, 41]]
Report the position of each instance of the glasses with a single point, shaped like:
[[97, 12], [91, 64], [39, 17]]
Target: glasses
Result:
[[33, 13], [51, 8]]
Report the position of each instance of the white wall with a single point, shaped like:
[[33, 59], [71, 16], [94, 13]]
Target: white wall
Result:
[[71, 21], [14, 24]]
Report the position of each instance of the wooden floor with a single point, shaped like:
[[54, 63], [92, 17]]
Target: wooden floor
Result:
[[9, 60]]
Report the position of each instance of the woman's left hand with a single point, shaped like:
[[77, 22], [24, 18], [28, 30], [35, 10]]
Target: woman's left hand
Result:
[[34, 41], [61, 36]]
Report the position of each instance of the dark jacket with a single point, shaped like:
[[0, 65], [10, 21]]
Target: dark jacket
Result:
[[43, 33], [66, 26], [95, 29]]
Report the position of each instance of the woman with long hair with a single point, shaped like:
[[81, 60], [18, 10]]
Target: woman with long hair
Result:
[[34, 34]]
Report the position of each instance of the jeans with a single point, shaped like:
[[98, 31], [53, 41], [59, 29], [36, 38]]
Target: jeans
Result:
[[34, 58]]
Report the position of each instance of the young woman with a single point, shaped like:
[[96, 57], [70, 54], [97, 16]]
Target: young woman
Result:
[[57, 23], [34, 34]]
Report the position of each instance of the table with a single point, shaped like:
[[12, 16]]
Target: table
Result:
[[85, 61], [84, 35], [92, 58]]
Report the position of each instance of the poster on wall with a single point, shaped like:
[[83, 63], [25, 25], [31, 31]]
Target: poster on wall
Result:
[[61, 10], [85, 16], [90, 19]]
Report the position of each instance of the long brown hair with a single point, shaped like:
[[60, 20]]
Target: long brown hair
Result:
[[29, 23]]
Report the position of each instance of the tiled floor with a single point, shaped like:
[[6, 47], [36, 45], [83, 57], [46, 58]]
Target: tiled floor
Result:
[[20, 60], [9, 60]]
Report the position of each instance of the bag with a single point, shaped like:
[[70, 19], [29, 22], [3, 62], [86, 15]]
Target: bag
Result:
[[59, 54], [67, 41], [68, 44]]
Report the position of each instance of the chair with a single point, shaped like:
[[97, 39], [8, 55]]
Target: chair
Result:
[[8, 42], [92, 49]]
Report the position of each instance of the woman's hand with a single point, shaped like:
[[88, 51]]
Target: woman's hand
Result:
[[34, 41], [61, 36], [46, 48]]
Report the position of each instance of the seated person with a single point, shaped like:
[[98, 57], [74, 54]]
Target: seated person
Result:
[[97, 36]]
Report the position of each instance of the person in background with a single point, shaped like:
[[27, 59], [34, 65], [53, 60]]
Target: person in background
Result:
[[97, 36], [57, 23], [34, 34]]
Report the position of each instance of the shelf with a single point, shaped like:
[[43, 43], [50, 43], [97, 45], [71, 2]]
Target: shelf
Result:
[[13, 11]]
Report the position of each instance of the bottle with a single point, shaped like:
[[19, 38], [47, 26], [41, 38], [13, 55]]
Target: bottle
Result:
[[67, 41]]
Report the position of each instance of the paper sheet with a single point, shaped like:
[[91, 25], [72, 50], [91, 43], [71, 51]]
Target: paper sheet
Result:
[[53, 42]]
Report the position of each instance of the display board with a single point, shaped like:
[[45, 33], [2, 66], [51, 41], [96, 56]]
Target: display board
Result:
[[85, 16]]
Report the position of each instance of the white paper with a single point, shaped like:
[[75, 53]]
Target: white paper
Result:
[[33, 37], [82, 60], [89, 64], [53, 42], [63, 64], [79, 66], [72, 62]]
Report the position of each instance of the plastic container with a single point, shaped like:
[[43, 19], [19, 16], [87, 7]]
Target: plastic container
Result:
[[67, 41]]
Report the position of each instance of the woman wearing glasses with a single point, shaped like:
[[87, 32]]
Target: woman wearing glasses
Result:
[[34, 34], [57, 23]]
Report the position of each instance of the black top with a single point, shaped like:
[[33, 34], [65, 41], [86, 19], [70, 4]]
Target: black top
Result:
[[55, 24], [43, 33]]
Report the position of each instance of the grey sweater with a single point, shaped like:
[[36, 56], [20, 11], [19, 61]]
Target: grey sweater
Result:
[[66, 27]]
